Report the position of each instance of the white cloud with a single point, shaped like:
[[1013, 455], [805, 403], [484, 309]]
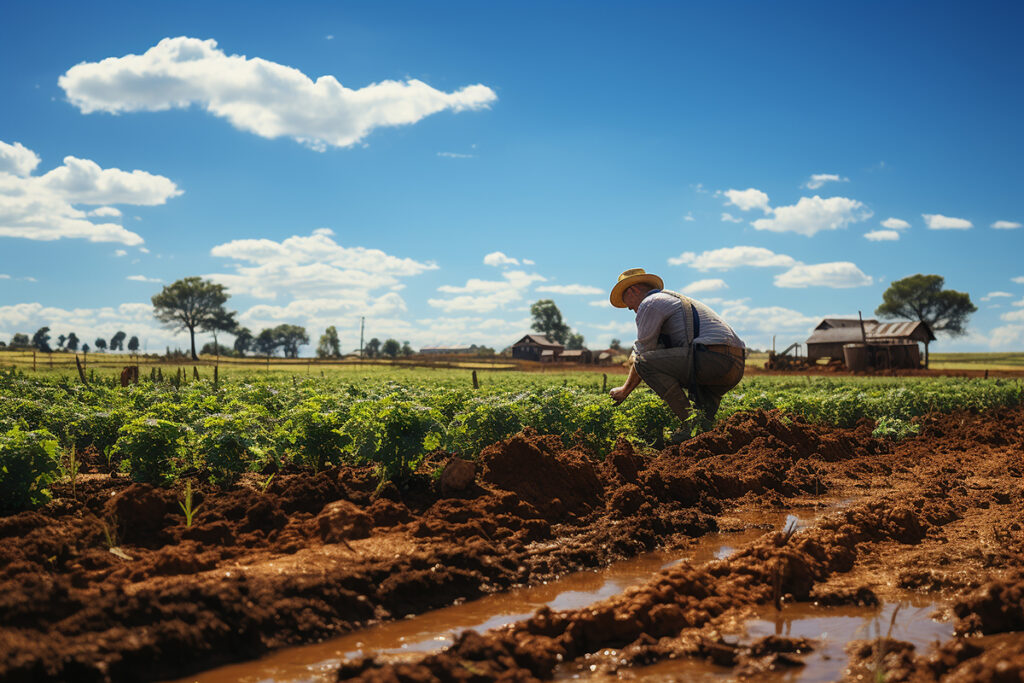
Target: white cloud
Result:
[[256, 95], [729, 218], [88, 323], [528, 262], [143, 278], [819, 179], [304, 267], [995, 295], [1014, 316], [1006, 337], [689, 217], [811, 215], [1018, 280], [746, 319], [17, 159], [727, 258], [455, 155], [43, 207], [837, 275], [699, 286], [748, 199], [497, 259], [570, 289], [1006, 225], [483, 296], [882, 235], [936, 221], [601, 303], [895, 224], [4, 276]]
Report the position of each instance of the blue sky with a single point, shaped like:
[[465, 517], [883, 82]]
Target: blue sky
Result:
[[438, 167]]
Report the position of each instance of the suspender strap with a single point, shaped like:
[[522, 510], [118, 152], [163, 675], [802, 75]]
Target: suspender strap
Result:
[[690, 311]]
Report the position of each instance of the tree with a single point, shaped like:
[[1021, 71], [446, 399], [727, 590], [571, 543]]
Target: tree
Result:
[[290, 338], [85, 348], [41, 339], [574, 341], [222, 320], [215, 349], [330, 345], [117, 341], [616, 345], [189, 304], [407, 349], [921, 297], [60, 341], [267, 342], [72, 343], [372, 348], [133, 344], [20, 340], [244, 340], [391, 348], [547, 320], [101, 343]]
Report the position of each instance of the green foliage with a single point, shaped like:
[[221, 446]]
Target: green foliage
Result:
[[484, 422], [393, 433], [227, 446], [921, 297], [894, 428], [311, 435], [150, 449], [29, 463]]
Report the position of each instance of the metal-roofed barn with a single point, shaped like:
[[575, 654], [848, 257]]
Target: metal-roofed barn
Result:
[[832, 334]]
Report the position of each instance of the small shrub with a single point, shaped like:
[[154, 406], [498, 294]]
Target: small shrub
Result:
[[29, 463], [894, 428], [150, 450]]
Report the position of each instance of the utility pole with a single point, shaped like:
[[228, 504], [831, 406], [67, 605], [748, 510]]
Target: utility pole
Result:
[[362, 324]]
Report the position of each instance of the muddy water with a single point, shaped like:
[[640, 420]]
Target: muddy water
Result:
[[435, 630], [829, 628]]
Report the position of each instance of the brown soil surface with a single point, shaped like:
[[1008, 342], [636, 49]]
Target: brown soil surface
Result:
[[316, 556]]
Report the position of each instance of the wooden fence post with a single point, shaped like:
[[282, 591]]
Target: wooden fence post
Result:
[[33, 361], [604, 383], [476, 384], [81, 372]]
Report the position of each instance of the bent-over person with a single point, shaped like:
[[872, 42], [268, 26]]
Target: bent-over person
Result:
[[682, 347]]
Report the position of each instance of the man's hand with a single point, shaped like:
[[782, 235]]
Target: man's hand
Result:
[[619, 394]]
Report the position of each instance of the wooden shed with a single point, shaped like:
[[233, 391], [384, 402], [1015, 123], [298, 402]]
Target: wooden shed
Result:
[[832, 334], [576, 356], [536, 347]]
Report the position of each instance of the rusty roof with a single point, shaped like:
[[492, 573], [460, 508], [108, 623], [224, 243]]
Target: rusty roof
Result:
[[875, 331], [903, 329], [537, 340]]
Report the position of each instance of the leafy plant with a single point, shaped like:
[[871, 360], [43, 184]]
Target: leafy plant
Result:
[[894, 428], [151, 450], [29, 463], [186, 504]]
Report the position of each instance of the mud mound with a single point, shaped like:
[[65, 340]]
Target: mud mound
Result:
[[535, 467], [997, 607]]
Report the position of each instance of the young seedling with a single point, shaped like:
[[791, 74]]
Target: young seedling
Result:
[[878, 673], [265, 484], [186, 505], [71, 470], [110, 534]]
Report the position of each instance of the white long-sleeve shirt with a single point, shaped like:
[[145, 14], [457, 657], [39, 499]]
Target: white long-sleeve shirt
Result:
[[664, 314]]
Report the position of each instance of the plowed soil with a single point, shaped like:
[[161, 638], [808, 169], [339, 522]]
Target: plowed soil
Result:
[[315, 556]]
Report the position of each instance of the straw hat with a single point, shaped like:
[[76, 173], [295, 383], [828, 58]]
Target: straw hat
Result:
[[633, 276]]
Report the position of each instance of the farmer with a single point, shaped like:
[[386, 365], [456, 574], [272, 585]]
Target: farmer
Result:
[[682, 346]]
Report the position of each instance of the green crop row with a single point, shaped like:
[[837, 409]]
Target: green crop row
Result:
[[158, 431]]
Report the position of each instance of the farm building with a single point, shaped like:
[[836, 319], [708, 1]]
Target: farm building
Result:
[[832, 334], [576, 356], [537, 347]]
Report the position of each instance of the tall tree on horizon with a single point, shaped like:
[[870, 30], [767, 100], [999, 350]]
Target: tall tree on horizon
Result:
[[190, 304], [547, 320], [921, 297]]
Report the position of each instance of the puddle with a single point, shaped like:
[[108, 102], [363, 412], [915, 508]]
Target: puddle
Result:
[[831, 628], [433, 631]]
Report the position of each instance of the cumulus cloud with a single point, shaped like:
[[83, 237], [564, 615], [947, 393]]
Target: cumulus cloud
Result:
[[43, 207], [498, 259], [570, 289], [87, 323], [882, 235], [996, 295], [483, 296], [710, 285], [310, 266], [1018, 280], [895, 224], [728, 258], [836, 275], [819, 179], [454, 155], [765, 319], [936, 221], [1014, 316], [729, 218], [601, 303], [256, 95], [811, 215], [143, 278], [120, 252], [747, 199], [1006, 337], [17, 159], [1006, 225]]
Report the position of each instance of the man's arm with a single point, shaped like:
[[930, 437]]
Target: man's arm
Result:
[[619, 394]]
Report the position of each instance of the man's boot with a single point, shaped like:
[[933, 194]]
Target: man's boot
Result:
[[679, 404]]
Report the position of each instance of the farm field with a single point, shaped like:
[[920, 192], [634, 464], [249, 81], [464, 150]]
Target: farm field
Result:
[[158, 530]]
